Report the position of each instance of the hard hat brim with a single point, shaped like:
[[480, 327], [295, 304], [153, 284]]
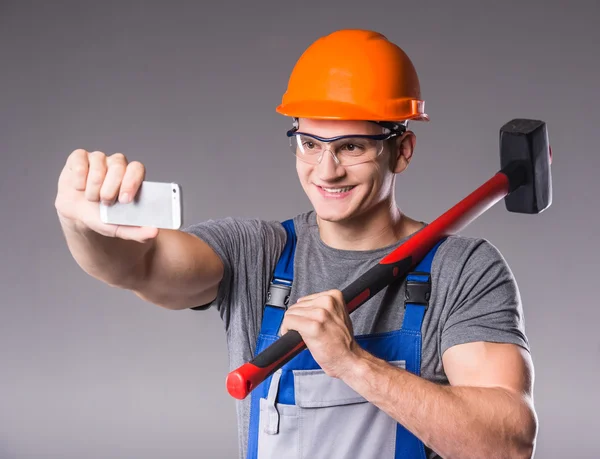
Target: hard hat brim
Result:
[[335, 110]]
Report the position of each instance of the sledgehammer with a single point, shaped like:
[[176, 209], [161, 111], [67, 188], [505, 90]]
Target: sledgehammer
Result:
[[525, 183]]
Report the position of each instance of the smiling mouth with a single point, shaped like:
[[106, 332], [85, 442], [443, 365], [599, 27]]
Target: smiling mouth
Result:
[[344, 189]]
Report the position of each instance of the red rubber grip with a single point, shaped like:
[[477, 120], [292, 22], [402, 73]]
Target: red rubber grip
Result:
[[241, 381]]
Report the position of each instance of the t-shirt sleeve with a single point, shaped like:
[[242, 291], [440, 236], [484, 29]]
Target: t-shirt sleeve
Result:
[[483, 298], [249, 250]]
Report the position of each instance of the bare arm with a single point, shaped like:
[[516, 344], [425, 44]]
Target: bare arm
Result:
[[486, 412], [179, 271], [172, 269], [175, 270]]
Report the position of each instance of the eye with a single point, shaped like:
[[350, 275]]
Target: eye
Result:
[[308, 144], [353, 148]]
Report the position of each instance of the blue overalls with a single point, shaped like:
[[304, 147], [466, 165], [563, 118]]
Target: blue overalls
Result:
[[300, 412]]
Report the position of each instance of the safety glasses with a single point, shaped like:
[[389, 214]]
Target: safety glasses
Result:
[[347, 150]]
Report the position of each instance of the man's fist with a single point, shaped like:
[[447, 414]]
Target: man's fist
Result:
[[90, 178]]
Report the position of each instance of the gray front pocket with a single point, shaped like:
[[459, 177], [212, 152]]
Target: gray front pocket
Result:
[[337, 422], [279, 435], [329, 421]]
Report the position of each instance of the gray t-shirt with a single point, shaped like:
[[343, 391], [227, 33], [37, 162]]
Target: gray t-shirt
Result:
[[474, 294]]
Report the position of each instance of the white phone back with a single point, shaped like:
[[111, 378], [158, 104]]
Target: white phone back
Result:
[[157, 205]]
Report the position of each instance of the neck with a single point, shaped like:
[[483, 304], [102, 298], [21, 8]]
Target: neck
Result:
[[380, 227]]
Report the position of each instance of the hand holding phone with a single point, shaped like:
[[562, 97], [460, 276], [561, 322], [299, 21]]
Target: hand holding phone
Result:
[[91, 180]]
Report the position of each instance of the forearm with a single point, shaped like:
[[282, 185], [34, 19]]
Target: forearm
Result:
[[175, 270], [114, 261], [456, 422]]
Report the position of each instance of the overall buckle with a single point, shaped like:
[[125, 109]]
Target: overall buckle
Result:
[[278, 295], [418, 291]]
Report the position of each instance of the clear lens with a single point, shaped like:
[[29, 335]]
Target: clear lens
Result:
[[348, 151]]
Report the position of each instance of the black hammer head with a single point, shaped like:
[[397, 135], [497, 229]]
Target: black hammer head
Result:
[[524, 143]]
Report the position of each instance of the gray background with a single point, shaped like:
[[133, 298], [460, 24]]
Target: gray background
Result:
[[189, 89]]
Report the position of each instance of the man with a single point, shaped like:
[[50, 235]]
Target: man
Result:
[[458, 384]]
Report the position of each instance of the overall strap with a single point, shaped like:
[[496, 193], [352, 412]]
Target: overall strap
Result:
[[281, 285], [418, 292]]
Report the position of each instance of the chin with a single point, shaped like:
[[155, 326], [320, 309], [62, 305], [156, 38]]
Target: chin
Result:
[[330, 217], [332, 214]]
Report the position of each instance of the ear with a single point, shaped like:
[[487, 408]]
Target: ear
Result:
[[405, 147]]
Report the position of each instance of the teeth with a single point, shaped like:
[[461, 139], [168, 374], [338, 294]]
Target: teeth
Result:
[[338, 190]]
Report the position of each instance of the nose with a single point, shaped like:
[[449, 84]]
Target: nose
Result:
[[329, 167]]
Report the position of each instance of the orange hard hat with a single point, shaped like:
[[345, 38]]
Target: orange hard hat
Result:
[[354, 75]]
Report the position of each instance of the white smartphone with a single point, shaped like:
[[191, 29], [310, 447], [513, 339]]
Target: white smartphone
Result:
[[157, 205]]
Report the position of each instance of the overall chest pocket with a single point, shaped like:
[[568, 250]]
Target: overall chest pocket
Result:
[[329, 420]]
